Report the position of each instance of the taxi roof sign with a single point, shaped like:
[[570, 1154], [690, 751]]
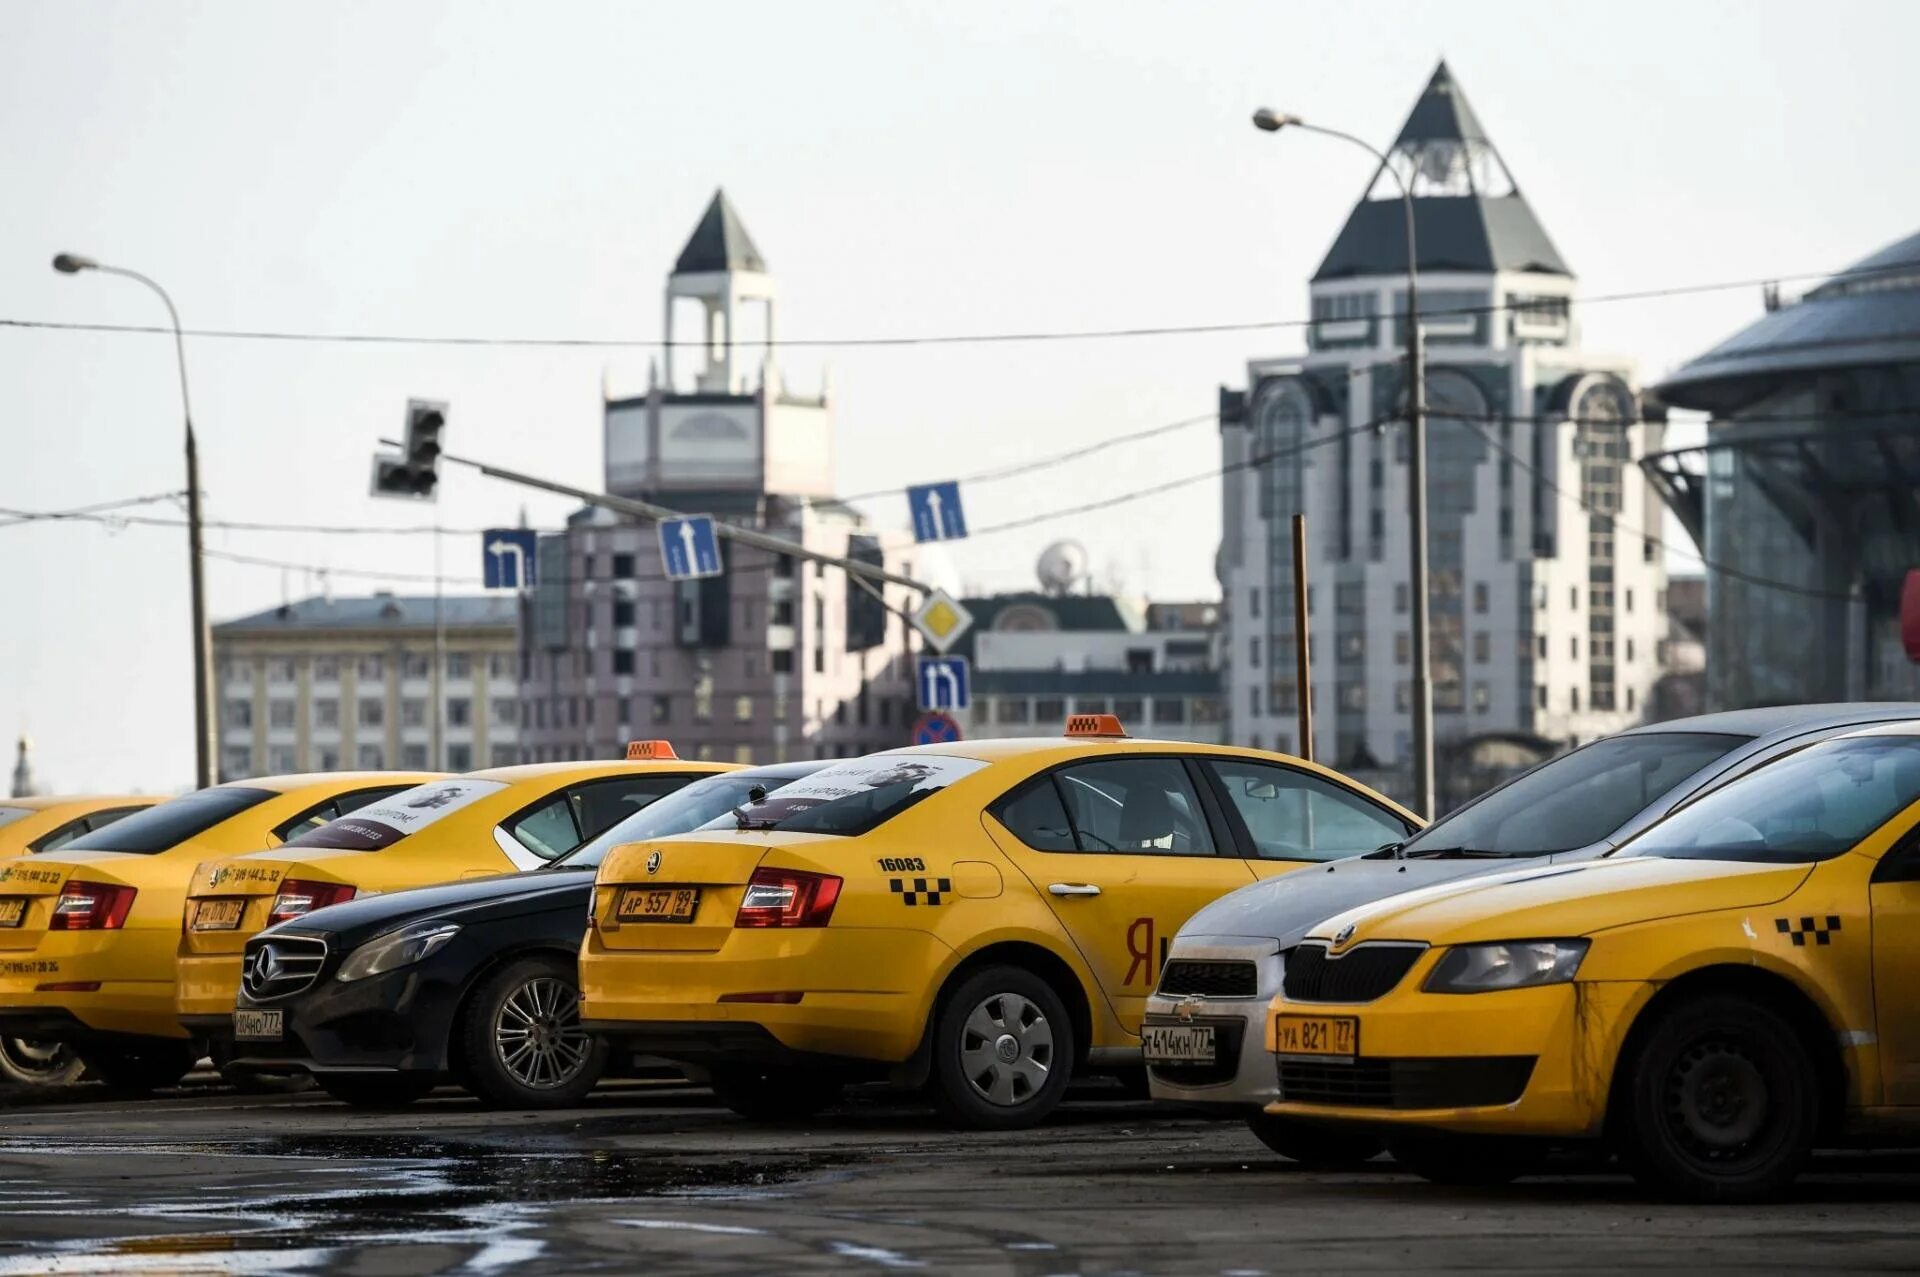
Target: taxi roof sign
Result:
[[642, 749], [1095, 725]]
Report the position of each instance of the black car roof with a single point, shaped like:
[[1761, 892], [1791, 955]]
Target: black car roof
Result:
[[1768, 720]]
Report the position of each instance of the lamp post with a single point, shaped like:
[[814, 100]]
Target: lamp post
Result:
[[1272, 122], [203, 746]]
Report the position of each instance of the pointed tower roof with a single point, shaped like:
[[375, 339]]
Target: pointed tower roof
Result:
[[1469, 214], [719, 243]]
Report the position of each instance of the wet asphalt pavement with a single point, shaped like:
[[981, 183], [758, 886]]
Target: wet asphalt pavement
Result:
[[654, 1178]]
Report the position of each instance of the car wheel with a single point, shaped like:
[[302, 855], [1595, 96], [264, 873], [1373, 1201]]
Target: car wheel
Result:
[[774, 1095], [1003, 1050], [139, 1070], [1313, 1143], [1466, 1161], [520, 1043], [38, 1063], [1721, 1102], [376, 1090]]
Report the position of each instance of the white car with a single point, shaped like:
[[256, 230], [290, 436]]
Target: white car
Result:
[[1203, 1034]]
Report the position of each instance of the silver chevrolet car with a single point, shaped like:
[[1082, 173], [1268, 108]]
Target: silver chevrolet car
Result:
[[1203, 1035]]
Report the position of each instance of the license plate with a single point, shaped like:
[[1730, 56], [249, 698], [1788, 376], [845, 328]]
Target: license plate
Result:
[[13, 911], [1337, 1035], [259, 1025], [659, 904], [218, 915], [1177, 1043]]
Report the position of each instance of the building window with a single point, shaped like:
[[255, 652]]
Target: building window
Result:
[[623, 660], [414, 665], [279, 713], [783, 566], [1400, 597], [782, 660], [1482, 648], [743, 709], [1573, 597], [370, 758], [1253, 701], [1574, 698], [622, 613], [662, 709], [504, 711], [1010, 709], [413, 713], [1253, 652], [372, 713], [459, 665], [505, 756], [1128, 709], [500, 665], [1050, 709], [1629, 600], [326, 669], [1541, 644], [1169, 709], [459, 758], [281, 760], [1402, 648], [280, 670], [326, 714], [1573, 646], [1482, 698], [413, 757], [239, 714], [1253, 602], [1540, 693], [1629, 698], [1402, 695], [1480, 597], [623, 567], [459, 714], [239, 763]]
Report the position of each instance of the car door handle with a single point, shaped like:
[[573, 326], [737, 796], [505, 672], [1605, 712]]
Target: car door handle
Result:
[[1073, 889]]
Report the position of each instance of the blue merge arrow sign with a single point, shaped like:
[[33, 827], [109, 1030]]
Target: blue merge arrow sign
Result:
[[689, 547], [937, 515]]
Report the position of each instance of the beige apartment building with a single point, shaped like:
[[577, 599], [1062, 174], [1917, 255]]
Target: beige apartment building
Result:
[[329, 684]]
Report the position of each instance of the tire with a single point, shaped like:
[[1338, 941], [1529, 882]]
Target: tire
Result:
[[376, 1090], [32, 1063], [1720, 1102], [1315, 1144], [774, 1095], [139, 1070], [1003, 1051], [1466, 1161], [519, 1043]]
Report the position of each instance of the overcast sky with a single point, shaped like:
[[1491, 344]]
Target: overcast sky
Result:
[[532, 169]]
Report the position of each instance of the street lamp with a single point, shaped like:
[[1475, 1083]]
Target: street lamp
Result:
[[1269, 121], [72, 264]]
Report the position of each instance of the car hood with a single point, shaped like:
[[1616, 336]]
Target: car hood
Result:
[[1286, 908], [470, 900], [1567, 900]]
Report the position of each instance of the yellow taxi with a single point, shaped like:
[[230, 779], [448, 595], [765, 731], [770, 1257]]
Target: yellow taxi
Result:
[[88, 932], [1730, 989], [983, 920], [48, 823], [475, 825]]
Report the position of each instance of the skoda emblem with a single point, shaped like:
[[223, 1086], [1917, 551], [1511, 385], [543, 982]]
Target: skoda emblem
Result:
[[1343, 935], [653, 863]]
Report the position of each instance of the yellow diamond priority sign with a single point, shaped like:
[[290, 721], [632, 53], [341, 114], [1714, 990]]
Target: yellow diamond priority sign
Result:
[[941, 620]]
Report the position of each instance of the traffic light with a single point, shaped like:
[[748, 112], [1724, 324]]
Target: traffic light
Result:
[[415, 473]]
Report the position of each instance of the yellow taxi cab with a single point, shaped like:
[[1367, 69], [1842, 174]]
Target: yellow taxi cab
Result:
[[1730, 989], [48, 823], [88, 932], [475, 825], [983, 920]]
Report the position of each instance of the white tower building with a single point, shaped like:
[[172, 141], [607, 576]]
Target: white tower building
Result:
[[1547, 599]]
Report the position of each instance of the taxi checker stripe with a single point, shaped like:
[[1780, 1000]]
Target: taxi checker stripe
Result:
[[1808, 926], [912, 895]]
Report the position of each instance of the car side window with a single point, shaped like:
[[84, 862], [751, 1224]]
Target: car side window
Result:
[[1902, 861], [1295, 815], [1035, 815], [602, 804], [549, 829], [60, 837], [1144, 805], [333, 808]]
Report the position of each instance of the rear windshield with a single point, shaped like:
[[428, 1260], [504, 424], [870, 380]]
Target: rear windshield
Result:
[[1813, 805], [171, 823], [386, 821], [855, 796], [10, 814], [679, 812], [1578, 799]]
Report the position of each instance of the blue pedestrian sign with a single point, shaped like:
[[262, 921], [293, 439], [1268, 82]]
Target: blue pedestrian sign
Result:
[[689, 547], [944, 683], [507, 559], [935, 729], [937, 515]]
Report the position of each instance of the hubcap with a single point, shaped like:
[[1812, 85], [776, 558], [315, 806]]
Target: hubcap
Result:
[[37, 1059], [1717, 1100], [538, 1035], [1006, 1049]]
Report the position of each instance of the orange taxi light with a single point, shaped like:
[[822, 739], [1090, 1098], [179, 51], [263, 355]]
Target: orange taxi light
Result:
[[1095, 725], [642, 749]]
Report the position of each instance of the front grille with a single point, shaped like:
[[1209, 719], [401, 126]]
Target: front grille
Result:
[[281, 966], [1226, 1058], [1477, 1081], [1209, 979], [1367, 972]]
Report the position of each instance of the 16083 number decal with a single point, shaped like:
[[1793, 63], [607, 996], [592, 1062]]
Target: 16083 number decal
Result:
[[902, 864]]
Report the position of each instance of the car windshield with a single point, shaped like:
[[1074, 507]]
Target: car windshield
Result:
[[1813, 805], [1575, 800], [854, 796], [713, 798], [171, 823]]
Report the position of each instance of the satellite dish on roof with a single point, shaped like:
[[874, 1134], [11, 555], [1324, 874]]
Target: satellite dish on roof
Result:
[[1062, 566]]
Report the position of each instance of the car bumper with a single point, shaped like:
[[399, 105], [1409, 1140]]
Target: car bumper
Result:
[[114, 1005], [207, 984], [1535, 1062], [397, 1022], [864, 994], [1242, 1073]]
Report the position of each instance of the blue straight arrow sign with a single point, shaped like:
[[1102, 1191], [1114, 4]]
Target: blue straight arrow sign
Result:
[[689, 547], [937, 515]]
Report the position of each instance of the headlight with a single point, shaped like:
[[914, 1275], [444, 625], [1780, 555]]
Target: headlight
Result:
[[1510, 964], [397, 949]]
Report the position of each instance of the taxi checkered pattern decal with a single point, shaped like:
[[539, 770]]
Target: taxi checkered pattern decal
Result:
[[1821, 929], [924, 891]]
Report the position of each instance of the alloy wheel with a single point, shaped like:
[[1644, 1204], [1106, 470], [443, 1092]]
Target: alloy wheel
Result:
[[1006, 1049], [537, 1034]]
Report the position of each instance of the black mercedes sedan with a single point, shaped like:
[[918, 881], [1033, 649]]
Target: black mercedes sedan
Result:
[[382, 997]]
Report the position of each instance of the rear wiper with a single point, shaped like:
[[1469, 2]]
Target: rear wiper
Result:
[[743, 821]]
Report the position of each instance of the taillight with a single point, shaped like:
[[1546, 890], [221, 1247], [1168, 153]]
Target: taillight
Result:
[[91, 906], [788, 898], [298, 896]]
